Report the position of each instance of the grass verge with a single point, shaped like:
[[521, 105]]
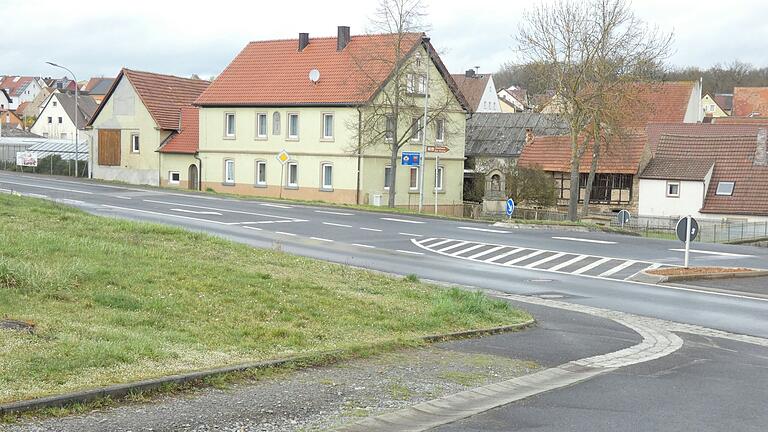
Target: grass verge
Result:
[[114, 301]]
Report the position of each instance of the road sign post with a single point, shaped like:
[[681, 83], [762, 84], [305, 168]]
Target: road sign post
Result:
[[510, 207], [282, 157], [623, 217], [437, 168], [687, 230]]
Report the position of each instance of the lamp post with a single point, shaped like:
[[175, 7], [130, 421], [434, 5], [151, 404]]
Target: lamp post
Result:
[[77, 111]]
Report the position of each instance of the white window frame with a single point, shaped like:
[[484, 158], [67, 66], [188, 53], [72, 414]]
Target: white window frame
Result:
[[725, 193], [389, 134], [440, 130], [261, 167], [170, 177], [439, 175], [227, 117], [288, 126], [227, 179], [386, 183], [411, 186], [259, 117], [324, 134], [295, 184], [416, 130], [669, 193], [135, 143], [324, 185]]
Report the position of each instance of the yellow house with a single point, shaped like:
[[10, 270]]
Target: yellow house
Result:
[[711, 108], [138, 134], [303, 119]]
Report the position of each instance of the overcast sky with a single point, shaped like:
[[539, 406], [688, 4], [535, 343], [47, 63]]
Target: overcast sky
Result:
[[178, 37]]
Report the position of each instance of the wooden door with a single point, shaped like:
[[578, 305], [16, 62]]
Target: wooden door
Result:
[[109, 147]]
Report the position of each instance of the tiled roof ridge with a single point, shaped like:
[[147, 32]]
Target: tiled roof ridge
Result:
[[311, 38], [164, 75]]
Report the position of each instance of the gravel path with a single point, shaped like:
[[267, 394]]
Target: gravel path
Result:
[[306, 400]]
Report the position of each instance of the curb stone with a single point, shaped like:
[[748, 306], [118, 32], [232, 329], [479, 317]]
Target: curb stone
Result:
[[657, 279], [118, 391]]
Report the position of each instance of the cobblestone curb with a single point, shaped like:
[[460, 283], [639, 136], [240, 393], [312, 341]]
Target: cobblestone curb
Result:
[[122, 390]]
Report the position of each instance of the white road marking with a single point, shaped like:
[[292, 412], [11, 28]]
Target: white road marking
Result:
[[270, 222], [485, 230], [6, 190], [714, 253], [410, 252], [469, 249], [123, 197], [34, 195], [402, 220], [573, 260], [169, 215], [589, 267], [618, 268], [285, 233], [70, 201], [333, 213], [524, 257], [337, 225], [322, 239], [584, 240], [411, 235], [440, 243], [504, 255], [204, 212], [47, 187], [223, 210], [252, 228], [454, 246], [370, 229], [487, 252], [276, 206], [545, 260], [363, 246]]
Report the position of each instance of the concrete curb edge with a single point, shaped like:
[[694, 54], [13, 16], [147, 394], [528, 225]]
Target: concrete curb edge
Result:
[[659, 279], [119, 391]]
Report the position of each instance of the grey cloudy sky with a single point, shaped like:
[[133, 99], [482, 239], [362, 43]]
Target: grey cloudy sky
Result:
[[181, 38]]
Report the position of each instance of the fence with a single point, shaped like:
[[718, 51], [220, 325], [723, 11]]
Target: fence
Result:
[[54, 156], [710, 230]]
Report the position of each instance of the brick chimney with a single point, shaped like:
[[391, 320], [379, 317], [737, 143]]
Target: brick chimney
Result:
[[343, 37], [761, 153], [303, 41]]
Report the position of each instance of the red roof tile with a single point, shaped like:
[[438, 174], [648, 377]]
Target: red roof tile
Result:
[[750, 100], [163, 95], [659, 102], [187, 139], [15, 84], [553, 153], [472, 88], [740, 120], [277, 73], [669, 168]]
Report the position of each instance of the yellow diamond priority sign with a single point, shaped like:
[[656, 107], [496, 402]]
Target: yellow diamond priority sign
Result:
[[283, 157]]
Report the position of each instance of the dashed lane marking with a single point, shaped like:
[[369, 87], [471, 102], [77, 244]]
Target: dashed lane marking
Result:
[[410, 234], [410, 252], [252, 228], [488, 230], [584, 240], [223, 210], [285, 233], [371, 229], [169, 215], [47, 187], [276, 206], [334, 213], [364, 246], [322, 239], [337, 225], [203, 212], [402, 220]]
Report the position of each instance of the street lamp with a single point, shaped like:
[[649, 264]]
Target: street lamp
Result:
[[77, 111]]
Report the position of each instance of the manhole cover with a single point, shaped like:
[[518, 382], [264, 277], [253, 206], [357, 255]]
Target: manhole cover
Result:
[[22, 326]]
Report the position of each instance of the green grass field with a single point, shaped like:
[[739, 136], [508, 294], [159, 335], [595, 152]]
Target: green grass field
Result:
[[116, 301]]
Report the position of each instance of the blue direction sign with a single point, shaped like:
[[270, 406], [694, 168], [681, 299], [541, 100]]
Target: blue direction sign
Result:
[[411, 159], [510, 207], [623, 217]]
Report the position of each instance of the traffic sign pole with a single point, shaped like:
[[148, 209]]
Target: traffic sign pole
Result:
[[437, 165], [687, 239]]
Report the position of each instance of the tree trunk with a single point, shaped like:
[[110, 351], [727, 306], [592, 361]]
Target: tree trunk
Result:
[[590, 180], [392, 175], [573, 199]]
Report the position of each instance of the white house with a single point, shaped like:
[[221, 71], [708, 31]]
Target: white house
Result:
[[513, 99], [479, 90], [57, 118], [20, 89]]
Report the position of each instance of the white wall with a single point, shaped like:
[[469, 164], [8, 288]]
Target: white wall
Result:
[[694, 113], [54, 130], [653, 199], [490, 100]]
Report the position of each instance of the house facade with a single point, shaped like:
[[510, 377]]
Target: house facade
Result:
[[479, 91], [141, 113], [21, 89], [513, 99], [711, 108], [5, 100], [57, 118], [308, 99]]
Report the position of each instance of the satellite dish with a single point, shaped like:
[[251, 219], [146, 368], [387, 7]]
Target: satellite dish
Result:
[[314, 75]]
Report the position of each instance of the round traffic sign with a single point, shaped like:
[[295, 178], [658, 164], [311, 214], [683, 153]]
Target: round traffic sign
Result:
[[510, 207], [623, 217], [682, 224]]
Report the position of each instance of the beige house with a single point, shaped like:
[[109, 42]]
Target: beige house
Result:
[[139, 135], [711, 108], [308, 100]]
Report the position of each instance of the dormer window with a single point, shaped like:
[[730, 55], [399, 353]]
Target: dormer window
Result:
[[725, 188]]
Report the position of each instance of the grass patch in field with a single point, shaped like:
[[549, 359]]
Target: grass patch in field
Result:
[[116, 301]]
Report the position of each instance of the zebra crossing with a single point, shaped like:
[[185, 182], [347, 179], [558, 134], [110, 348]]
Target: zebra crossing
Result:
[[537, 259]]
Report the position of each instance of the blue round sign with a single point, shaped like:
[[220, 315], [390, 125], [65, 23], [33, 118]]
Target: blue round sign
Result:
[[510, 207]]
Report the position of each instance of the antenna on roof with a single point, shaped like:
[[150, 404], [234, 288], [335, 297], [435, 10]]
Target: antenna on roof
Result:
[[314, 76]]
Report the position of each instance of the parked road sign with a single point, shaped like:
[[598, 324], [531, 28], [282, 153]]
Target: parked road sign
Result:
[[283, 157], [510, 207], [623, 217], [680, 229], [411, 159], [437, 149]]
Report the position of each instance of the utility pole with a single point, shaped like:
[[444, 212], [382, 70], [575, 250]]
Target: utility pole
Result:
[[77, 114]]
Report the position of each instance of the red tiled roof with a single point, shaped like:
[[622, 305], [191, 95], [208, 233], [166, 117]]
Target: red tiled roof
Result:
[[659, 102], [741, 120], [750, 100], [669, 168], [15, 87], [553, 153], [718, 129], [733, 156], [472, 88], [187, 139], [163, 95], [277, 73]]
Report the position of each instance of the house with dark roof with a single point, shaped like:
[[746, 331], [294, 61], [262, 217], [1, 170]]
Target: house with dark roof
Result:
[[58, 116], [724, 101], [97, 87], [135, 129], [479, 90], [513, 99], [287, 118], [710, 171], [621, 160]]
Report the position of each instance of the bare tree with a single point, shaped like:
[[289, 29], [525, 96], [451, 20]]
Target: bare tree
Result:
[[395, 115], [592, 51]]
